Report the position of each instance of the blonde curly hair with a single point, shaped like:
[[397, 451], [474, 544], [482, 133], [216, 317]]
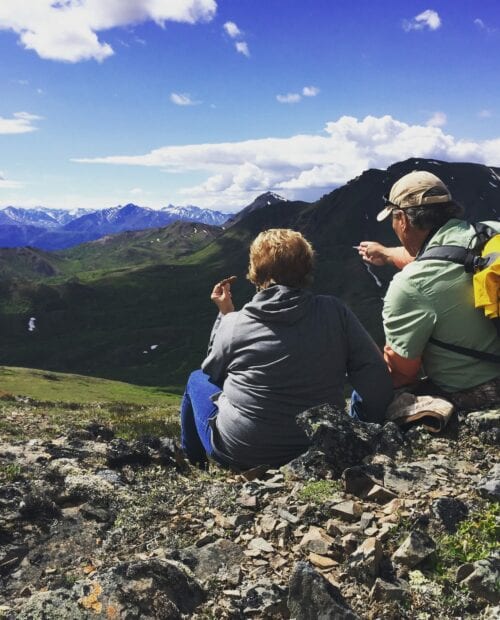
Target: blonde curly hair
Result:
[[280, 256]]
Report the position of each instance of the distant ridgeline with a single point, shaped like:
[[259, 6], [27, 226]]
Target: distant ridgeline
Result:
[[55, 229], [135, 306]]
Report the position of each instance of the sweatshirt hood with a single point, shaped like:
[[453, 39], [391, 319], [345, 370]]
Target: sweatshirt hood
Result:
[[279, 304]]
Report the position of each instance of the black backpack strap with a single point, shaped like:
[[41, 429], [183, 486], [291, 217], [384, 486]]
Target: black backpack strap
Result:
[[480, 355], [451, 253], [483, 232]]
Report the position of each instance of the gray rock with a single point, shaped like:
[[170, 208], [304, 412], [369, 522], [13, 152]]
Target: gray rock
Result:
[[484, 579], [11, 556], [385, 591], [405, 478], [449, 511], [37, 505], [391, 441], [344, 441], [87, 487], [310, 464], [358, 480], [147, 589], [417, 547], [489, 486], [364, 563], [312, 597], [121, 453], [220, 556], [265, 598], [55, 604]]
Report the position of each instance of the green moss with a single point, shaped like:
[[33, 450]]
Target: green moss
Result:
[[9, 472], [475, 539], [320, 491]]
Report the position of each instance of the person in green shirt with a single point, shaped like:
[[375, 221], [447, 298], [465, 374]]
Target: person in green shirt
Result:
[[433, 299]]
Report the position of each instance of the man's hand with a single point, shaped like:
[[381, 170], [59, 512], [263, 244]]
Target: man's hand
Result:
[[221, 295], [374, 253], [377, 254]]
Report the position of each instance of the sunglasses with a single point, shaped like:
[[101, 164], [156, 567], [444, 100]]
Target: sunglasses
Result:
[[388, 203]]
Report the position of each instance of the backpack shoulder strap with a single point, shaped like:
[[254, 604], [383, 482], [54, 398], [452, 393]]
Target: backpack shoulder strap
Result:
[[480, 355], [451, 253]]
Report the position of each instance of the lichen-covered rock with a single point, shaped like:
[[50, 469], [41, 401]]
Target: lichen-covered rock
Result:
[[484, 579], [489, 486], [56, 605], [344, 441], [146, 590], [220, 556]]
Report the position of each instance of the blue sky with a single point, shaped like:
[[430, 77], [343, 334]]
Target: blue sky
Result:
[[207, 102]]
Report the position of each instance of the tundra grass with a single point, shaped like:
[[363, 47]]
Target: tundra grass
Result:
[[43, 404]]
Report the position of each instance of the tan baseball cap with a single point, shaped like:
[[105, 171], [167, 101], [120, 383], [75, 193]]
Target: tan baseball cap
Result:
[[415, 189]]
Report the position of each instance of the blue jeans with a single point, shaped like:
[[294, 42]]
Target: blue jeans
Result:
[[197, 410]]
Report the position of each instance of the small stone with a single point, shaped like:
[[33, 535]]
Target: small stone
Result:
[[316, 540], [417, 547], [463, 571], [332, 528], [393, 506], [321, 561], [385, 591], [349, 510], [350, 543], [268, 523], [380, 495], [365, 561], [385, 531], [260, 544], [357, 481], [248, 501], [366, 519], [287, 516]]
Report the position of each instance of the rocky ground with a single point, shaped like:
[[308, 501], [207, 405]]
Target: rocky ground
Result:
[[370, 523]]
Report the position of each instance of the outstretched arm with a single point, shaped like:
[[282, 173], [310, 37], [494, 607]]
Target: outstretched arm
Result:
[[377, 254]]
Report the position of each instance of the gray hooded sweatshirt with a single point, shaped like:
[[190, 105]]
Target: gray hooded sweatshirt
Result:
[[285, 351]]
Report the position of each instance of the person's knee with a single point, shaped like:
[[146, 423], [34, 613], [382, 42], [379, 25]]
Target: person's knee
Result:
[[196, 377]]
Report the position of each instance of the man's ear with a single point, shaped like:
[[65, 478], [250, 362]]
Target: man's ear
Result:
[[404, 220]]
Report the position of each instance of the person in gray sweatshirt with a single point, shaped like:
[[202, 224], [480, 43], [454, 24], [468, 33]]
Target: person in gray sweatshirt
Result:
[[285, 351]]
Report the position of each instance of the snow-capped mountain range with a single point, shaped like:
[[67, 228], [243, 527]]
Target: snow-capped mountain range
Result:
[[53, 229]]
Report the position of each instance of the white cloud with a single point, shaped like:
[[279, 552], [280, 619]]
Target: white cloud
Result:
[[22, 122], [438, 119], [310, 91], [427, 19], [68, 30], [485, 114], [136, 191], [289, 98], [305, 163], [182, 99], [242, 48], [232, 30], [7, 184], [482, 26]]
